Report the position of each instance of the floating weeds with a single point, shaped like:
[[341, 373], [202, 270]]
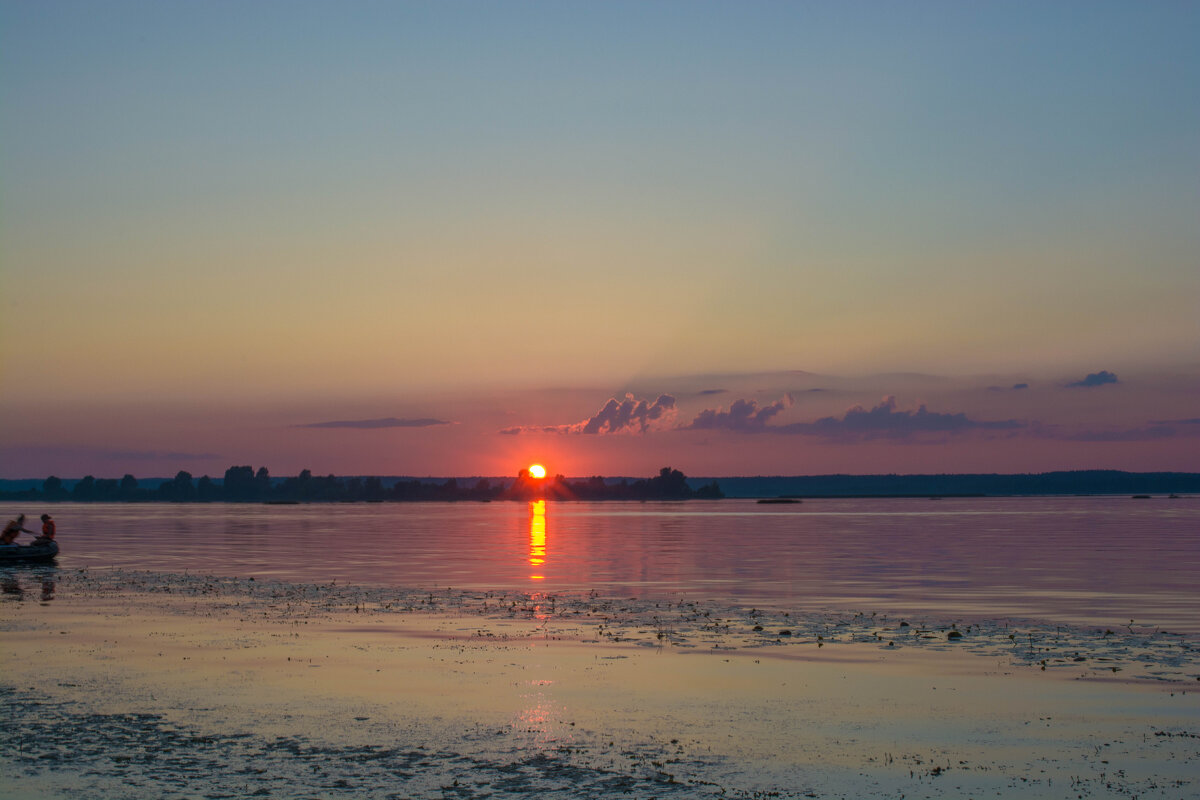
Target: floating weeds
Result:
[[1138, 654]]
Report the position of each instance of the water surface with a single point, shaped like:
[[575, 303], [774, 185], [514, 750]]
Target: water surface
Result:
[[1090, 560]]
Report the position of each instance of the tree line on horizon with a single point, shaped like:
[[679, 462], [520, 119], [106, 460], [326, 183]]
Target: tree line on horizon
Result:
[[669, 484], [244, 484]]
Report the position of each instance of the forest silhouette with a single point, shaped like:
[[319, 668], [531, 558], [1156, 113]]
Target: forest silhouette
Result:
[[244, 484]]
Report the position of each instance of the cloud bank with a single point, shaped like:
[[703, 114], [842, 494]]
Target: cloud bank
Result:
[[884, 421], [858, 423], [386, 422], [743, 415], [628, 415], [1095, 379]]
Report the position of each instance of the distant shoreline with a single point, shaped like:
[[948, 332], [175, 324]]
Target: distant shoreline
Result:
[[411, 489], [1059, 483]]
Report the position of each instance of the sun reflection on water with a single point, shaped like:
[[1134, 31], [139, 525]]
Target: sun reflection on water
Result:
[[543, 720], [537, 537]]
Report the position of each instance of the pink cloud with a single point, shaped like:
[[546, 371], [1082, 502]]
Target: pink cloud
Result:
[[628, 415]]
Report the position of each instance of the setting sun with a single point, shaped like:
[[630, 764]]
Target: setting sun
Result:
[[537, 471]]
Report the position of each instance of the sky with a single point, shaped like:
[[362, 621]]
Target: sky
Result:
[[736, 238]]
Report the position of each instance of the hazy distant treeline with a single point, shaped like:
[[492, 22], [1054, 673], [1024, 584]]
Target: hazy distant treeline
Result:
[[1067, 482], [244, 484]]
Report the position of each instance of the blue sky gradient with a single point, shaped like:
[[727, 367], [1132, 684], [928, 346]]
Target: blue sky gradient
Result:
[[351, 209]]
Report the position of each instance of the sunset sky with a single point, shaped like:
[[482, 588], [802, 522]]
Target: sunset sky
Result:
[[737, 238]]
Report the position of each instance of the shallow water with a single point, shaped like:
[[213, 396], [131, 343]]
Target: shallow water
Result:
[[149, 685], [1091, 560]]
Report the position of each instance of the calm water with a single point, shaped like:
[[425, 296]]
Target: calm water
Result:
[[1093, 560]]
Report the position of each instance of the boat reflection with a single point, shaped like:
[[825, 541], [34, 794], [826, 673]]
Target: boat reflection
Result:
[[537, 538], [46, 578]]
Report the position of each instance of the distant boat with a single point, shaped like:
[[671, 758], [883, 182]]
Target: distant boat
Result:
[[28, 553]]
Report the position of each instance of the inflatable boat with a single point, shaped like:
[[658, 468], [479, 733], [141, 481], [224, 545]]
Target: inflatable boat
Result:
[[27, 553]]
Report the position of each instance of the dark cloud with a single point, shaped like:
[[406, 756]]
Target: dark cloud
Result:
[[884, 421], [628, 415], [1020, 386], [743, 415], [1014, 387], [1096, 379], [386, 422], [711, 391], [1192, 421]]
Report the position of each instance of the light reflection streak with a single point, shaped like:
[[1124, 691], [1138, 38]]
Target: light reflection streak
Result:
[[542, 719], [537, 537]]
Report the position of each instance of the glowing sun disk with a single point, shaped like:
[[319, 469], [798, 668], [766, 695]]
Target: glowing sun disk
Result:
[[537, 471]]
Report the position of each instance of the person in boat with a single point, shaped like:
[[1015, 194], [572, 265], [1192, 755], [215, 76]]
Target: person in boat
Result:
[[13, 529], [48, 530]]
